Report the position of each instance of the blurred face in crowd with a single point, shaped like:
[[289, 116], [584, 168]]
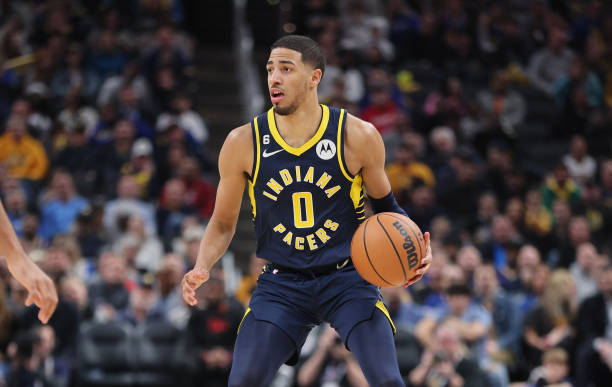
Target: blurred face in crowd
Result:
[[404, 154], [587, 257], [57, 262], [578, 147], [436, 270], [514, 210], [499, 83], [556, 39], [485, 281], [604, 282], [124, 131], [423, 197], [74, 290], [579, 230], [501, 229], [561, 174], [46, 343], [540, 278], [606, 175], [112, 269], [213, 290], [165, 35], [20, 108], [290, 80], [174, 193], [561, 212], [533, 200], [15, 201], [458, 303], [487, 206], [468, 258], [446, 340], [127, 188], [170, 272], [62, 186], [16, 127], [142, 299], [189, 169]]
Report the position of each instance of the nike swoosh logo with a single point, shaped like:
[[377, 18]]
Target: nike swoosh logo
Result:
[[341, 265], [266, 154]]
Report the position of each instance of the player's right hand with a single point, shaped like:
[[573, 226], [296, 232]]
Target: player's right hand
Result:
[[191, 282]]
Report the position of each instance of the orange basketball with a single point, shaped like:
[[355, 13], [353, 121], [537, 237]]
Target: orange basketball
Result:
[[387, 248]]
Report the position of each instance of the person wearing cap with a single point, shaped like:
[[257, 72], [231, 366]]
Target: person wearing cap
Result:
[[142, 166]]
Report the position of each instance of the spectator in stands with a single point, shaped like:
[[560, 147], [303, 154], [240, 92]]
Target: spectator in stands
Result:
[[211, 331], [74, 77], [23, 363], [382, 111], [128, 203], [75, 158], [199, 193], [559, 185], [578, 233], [183, 115], [89, 231], [480, 224], [554, 370], [62, 206], [74, 290], [249, 281], [166, 54], [584, 271], [76, 113], [143, 298], [108, 293], [30, 240], [423, 208], [577, 77], [111, 156], [468, 259], [550, 63], [538, 220], [142, 167], [22, 155], [169, 299], [430, 291], [54, 370], [593, 358], [405, 171], [598, 216], [172, 212], [464, 181], [447, 362], [515, 211], [331, 364], [507, 319], [549, 323], [149, 250], [403, 311], [106, 58], [15, 203], [130, 76], [503, 108]]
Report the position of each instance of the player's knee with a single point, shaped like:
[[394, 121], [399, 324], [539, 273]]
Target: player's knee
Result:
[[247, 377]]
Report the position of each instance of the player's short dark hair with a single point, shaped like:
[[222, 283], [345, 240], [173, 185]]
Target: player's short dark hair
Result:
[[310, 50]]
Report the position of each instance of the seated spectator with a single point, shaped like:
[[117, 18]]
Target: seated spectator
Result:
[[22, 155], [507, 319], [142, 167], [497, 249], [169, 292], [106, 58], [554, 370], [550, 63], [480, 225], [128, 203], [62, 206], [149, 250], [595, 212], [143, 298], [578, 233], [423, 208], [30, 240], [199, 194], [77, 113], [584, 270], [54, 370], [331, 364], [578, 76], [468, 259], [166, 53], [171, 214], [74, 290], [404, 172], [548, 324], [403, 311], [503, 108], [593, 358], [382, 112], [249, 281], [446, 362], [130, 76], [183, 115], [74, 76], [15, 204], [430, 291], [538, 220], [211, 331], [75, 158], [108, 293], [24, 363], [559, 185], [580, 165], [89, 233]]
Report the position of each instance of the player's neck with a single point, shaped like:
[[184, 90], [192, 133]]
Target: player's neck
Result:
[[302, 124]]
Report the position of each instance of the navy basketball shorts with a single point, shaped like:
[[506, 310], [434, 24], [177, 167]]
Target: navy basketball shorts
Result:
[[296, 302]]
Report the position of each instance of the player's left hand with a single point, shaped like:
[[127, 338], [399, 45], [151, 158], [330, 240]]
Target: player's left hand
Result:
[[425, 263], [41, 289]]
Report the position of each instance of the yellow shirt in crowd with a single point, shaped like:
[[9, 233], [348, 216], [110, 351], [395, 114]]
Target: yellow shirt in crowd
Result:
[[23, 159]]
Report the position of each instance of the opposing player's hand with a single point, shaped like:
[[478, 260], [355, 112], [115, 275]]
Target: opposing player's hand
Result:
[[425, 263], [191, 282], [41, 289]]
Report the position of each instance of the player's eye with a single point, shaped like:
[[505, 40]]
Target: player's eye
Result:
[[269, 70], [286, 69]]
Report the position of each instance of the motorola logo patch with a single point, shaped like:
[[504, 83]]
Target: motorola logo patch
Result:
[[326, 149]]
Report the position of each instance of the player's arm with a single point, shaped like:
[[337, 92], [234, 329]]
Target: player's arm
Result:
[[41, 290], [235, 159], [365, 152]]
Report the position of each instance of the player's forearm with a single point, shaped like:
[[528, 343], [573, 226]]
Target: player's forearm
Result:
[[10, 248], [214, 244]]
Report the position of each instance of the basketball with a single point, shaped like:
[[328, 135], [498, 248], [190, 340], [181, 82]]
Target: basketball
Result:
[[387, 249]]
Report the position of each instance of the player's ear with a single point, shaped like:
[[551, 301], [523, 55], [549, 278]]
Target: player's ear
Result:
[[315, 77]]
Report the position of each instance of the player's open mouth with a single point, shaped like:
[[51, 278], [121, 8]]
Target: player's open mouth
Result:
[[276, 95]]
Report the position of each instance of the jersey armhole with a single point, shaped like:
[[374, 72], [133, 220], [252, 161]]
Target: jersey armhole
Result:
[[341, 161], [256, 151]]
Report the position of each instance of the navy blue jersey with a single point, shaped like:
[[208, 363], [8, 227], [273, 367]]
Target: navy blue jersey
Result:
[[306, 204]]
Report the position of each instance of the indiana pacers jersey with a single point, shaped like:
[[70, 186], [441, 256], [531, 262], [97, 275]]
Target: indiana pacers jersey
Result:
[[306, 204]]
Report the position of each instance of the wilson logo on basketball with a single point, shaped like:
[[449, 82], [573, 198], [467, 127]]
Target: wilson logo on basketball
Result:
[[408, 245]]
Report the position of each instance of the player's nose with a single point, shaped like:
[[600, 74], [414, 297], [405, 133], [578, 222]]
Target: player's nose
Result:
[[274, 78]]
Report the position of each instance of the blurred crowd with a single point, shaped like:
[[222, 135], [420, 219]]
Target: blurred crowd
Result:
[[496, 117]]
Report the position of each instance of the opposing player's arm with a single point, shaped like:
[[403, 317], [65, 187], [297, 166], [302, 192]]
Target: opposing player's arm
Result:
[[235, 161]]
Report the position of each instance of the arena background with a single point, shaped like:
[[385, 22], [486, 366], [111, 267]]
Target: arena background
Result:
[[497, 119]]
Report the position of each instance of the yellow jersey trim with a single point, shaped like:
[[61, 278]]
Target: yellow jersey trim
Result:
[[299, 150], [257, 150], [340, 146], [380, 305], [356, 193], [249, 309]]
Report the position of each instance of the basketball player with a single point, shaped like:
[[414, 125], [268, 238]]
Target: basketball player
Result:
[[306, 166], [41, 290]]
